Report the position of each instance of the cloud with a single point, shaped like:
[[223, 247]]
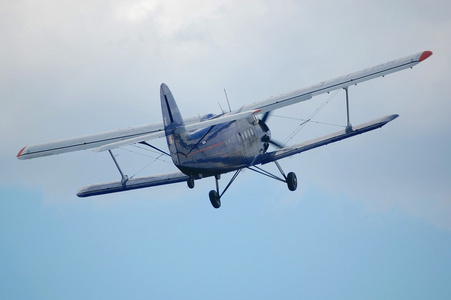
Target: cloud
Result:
[[73, 68], [134, 11]]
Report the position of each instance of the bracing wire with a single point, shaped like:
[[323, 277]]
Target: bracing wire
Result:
[[145, 155], [309, 119], [154, 158], [139, 171]]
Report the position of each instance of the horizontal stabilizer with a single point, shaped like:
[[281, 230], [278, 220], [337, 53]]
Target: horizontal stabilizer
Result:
[[322, 141], [131, 184]]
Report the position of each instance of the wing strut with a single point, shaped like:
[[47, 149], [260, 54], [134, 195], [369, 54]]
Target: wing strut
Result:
[[348, 125], [124, 178]]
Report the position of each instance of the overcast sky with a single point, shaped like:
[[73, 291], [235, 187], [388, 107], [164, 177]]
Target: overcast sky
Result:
[[370, 218]]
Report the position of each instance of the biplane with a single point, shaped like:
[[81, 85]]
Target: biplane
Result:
[[212, 145]]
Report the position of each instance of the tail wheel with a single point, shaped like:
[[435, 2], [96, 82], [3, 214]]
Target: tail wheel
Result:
[[292, 181], [190, 182], [215, 199]]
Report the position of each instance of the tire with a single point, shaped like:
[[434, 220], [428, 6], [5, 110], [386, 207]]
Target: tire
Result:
[[190, 182], [292, 181], [215, 199]]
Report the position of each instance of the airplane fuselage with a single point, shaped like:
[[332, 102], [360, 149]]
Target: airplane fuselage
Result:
[[221, 148]]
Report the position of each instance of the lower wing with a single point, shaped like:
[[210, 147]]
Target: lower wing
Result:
[[132, 184], [322, 141]]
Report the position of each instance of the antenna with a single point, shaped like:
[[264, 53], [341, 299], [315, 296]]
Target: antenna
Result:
[[227, 98], [221, 107]]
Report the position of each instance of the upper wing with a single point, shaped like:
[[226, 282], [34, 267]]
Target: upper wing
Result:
[[118, 138], [86, 142], [123, 137], [298, 95], [338, 83], [132, 184], [142, 133], [322, 141]]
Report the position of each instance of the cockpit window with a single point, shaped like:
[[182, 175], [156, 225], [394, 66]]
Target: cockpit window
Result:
[[206, 117]]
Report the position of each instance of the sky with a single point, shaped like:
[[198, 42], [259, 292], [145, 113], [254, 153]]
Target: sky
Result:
[[371, 216]]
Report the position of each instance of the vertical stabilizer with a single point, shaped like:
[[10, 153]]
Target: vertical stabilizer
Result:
[[172, 120]]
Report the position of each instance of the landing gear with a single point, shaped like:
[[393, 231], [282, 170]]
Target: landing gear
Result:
[[215, 196], [190, 182], [292, 181], [215, 199]]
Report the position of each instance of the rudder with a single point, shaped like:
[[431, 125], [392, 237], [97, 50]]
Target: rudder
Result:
[[174, 126]]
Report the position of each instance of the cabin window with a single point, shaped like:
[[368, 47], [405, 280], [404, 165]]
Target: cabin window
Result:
[[249, 133]]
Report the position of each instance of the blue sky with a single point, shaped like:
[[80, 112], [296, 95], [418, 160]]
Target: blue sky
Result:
[[370, 218]]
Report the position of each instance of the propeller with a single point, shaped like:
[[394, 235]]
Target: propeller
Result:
[[276, 144], [265, 116]]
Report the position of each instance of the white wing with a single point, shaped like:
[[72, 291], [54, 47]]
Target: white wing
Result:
[[301, 94], [123, 137], [338, 83], [95, 140], [118, 138]]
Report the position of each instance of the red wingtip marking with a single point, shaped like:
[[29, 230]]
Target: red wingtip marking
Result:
[[20, 152], [256, 111], [425, 55]]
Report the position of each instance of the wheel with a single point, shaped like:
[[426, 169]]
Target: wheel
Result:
[[190, 182], [215, 199], [292, 181]]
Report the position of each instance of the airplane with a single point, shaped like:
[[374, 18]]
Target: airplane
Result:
[[212, 145]]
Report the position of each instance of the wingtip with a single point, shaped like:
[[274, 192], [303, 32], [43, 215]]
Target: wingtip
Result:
[[19, 155], [425, 55], [256, 111]]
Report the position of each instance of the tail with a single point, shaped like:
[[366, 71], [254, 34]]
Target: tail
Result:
[[174, 126]]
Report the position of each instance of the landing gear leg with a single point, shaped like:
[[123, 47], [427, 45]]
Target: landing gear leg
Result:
[[290, 179], [215, 196]]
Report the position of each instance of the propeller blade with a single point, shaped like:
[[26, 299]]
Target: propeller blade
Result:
[[265, 116], [276, 144]]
